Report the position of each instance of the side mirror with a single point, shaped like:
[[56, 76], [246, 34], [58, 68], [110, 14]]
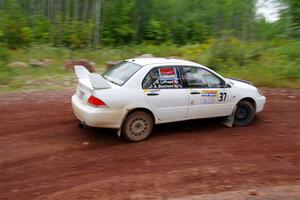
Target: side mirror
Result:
[[225, 84]]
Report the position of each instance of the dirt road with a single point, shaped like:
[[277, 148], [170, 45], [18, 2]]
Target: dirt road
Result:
[[44, 155]]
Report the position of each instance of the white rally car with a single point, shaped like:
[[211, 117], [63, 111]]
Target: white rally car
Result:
[[140, 92]]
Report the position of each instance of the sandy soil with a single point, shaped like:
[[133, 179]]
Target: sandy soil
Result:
[[44, 155]]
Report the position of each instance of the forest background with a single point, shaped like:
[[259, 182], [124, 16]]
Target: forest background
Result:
[[229, 36]]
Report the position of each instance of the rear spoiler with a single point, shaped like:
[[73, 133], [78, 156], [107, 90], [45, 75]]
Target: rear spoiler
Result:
[[97, 81]]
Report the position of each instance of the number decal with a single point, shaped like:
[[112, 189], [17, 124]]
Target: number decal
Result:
[[222, 96]]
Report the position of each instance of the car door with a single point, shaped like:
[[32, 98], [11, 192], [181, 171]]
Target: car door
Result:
[[208, 96], [165, 94]]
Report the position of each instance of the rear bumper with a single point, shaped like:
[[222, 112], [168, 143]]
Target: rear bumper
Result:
[[96, 117], [260, 103]]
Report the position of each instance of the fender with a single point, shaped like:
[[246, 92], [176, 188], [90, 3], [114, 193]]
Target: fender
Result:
[[119, 131]]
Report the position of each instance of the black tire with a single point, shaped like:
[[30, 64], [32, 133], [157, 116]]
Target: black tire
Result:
[[137, 126], [244, 113]]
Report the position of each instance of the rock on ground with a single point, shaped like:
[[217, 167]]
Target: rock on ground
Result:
[[18, 65], [69, 65], [39, 62]]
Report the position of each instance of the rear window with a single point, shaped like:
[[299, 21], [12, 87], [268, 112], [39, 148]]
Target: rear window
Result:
[[121, 73]]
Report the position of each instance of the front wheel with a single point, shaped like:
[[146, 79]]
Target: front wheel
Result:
[[137, 126], [244, 113]]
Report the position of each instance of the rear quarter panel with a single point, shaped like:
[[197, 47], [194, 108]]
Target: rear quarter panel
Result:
[[123, 99]]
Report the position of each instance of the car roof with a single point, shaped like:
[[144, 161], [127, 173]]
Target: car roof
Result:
[[161, 61], [152, 61]]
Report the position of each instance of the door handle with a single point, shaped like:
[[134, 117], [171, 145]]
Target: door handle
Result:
[[195, 92], [152, 94]]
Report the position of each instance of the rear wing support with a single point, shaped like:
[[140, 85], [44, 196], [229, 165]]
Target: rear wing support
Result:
[[97, 81]]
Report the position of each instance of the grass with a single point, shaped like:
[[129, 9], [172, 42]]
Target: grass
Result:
[[270, 64]]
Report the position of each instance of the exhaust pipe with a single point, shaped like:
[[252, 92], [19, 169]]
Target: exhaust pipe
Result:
[[81, 125]]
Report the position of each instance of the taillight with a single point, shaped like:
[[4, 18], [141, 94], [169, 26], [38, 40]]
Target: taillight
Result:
[[94, 101]]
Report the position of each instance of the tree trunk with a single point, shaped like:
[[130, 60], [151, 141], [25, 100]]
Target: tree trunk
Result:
[[218, 22], [32, 13], [84, 11], [75, 10], [67, 11], [245, 24], [97, 22]]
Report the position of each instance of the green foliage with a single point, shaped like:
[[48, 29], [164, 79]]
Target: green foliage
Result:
[[157, 31], [291, 14], [14, 25], [225, 35], [6, 74], [227, 52], [41, 29], [4, 55], [27, 35], [76, 35], [98, 23], [117, 27], [270, 63]]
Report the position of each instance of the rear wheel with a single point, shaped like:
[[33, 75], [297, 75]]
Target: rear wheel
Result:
[[244, 113], [137, 126]]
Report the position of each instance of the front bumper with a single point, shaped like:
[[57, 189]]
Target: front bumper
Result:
[[260, 103], [96, 117]]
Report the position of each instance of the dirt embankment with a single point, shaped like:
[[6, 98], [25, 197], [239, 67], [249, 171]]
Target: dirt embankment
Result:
[[44, 155]]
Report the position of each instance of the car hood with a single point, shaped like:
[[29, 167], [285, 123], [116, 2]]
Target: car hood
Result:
[[241, 83]]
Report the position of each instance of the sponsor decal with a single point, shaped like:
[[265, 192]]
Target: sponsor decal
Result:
[[151, 90], [209, 93], [167, 73], [207, 100]]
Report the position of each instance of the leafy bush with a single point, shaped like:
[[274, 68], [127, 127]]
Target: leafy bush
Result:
[[272, 63], [4, 54], [157, 32], [227, 52], [6, 74]]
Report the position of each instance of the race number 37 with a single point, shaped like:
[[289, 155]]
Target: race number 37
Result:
[[222, 96]]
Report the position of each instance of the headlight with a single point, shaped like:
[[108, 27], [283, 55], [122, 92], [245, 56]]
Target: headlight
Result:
[[260, 92]]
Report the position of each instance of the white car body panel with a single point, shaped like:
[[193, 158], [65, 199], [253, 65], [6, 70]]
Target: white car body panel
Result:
[[242, 90], [169, 106], [201, 106]]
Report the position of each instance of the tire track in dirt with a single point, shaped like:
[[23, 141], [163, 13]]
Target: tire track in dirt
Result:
[[44, 155]]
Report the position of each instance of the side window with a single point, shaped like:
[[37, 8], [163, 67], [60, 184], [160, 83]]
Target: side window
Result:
[[200, 78], [163, 77]]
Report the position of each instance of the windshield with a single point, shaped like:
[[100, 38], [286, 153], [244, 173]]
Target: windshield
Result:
[[120, 73]]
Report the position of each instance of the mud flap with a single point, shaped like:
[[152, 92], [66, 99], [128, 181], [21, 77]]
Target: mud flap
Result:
[[119, 132], [228, 121]]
